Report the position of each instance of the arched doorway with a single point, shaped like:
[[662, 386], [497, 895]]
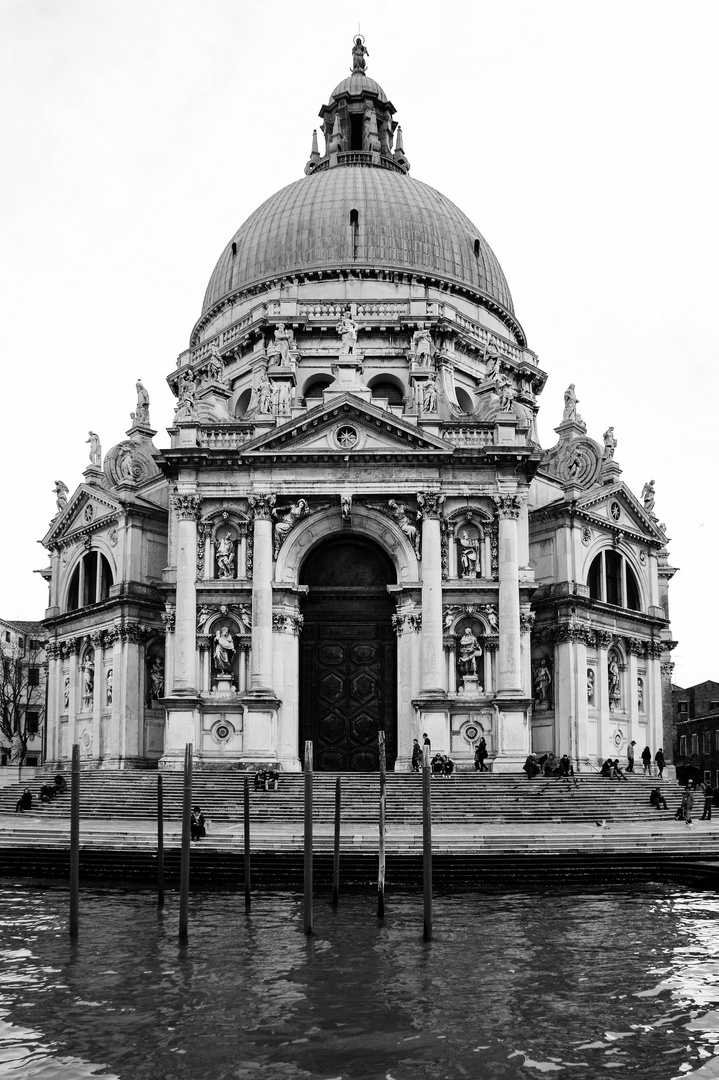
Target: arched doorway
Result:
[[348, 656]]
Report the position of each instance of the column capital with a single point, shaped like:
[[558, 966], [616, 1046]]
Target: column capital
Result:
[[186, 506], [430, 505], [261, 506], [508, 506]]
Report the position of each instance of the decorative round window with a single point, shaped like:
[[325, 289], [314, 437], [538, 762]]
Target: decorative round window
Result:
[[89, 512], [222, 731], [347, 437], [615, 510], [471, 732]]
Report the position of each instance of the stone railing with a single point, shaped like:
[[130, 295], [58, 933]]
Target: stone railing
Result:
[[468, 436], [222, 438], [506, 347]]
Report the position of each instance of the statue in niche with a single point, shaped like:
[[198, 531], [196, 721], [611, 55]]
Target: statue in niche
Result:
[[224, 651], [359, 64], [127, 463], [157, 679], [422, 347], [648, 493], [506, 393], [89, 681], [348, 330], [66, 693], [282, 349], [141, 414], [225, 555], [399, 513], [95, 449], [245, 619], [542, 684], [570, 403], [610, 444], [187, 389], [108, 686], [614, 680], [61, 492], [590, 685], [640, 694], [264, 394], [468, 554], [428, 396], [290, 516], [468, 651]]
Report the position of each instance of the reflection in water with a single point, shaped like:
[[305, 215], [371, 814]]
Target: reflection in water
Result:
[[574, 983]]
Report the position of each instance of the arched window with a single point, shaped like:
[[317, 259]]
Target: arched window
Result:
[[90, 582], [464, 400], [612, 580], [354, 226], [387, 393]]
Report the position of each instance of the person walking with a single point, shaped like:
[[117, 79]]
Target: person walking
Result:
[[659, 758], [630, 756], [416, 756], [708, 800], [480, 756], [647, 761]]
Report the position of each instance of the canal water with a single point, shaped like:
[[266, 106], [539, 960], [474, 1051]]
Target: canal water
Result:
[[512, 985]]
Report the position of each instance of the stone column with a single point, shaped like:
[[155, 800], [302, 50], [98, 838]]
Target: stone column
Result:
[[284, 740], [490, 653], [186, 507], [430, 504], [261, 668], [509, 674]]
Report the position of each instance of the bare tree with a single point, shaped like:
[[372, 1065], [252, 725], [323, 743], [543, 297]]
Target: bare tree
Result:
[[22, 693]]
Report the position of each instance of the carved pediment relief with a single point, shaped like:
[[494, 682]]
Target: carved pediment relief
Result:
[[345, 427], [86, 511], [619, 508]]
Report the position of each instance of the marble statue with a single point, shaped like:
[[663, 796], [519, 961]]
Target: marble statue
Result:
[[202, 616], [245, 618], [348, 330], [542, 683], [399, 513], [640, 694], [468, 554], [429, 396], [491, 617], [290, 516], [346, 506], [359, 64], [224, 651], [66, 693], [614, 678], [610, 444], [422, 347], [89, 680], [157, 679], [590, 685], [17, 750], [468, 651], [492, 358], [648, 496], [108, 686], [506, 393], [570, 403], [264, 394], [225, 555], [284, 340], [95, 449], [61, 492], [141, 414], [186, 397], [127, 464]]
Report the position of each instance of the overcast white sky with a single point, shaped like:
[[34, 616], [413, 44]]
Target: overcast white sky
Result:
[[579, 137]]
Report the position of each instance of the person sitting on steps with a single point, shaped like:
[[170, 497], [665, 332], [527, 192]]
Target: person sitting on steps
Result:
[[657, 799], [24, 802], [197, 824]]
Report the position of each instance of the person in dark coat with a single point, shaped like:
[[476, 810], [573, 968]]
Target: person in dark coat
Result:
[[708, 800], [416, 756], [647, 761], [60, 784], [480, 756], [531, 766], [47, 792], [197, 823], [657, 799], [447, 765], [24, 802], [659, 758], [607, 768], [437, 766]]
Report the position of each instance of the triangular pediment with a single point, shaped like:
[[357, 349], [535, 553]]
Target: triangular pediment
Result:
[[347, 426], [618, 507], [88, 507]]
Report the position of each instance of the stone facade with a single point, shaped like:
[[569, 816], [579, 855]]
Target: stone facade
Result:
[[354, 527]]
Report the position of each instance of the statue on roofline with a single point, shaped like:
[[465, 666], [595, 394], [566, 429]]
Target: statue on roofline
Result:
[[359, 64]]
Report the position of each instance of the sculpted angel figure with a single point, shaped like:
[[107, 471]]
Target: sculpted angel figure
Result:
[[290, 516], [157, 678], [61, 492], [348, 330], [648, 496], [399, 513], [225, 555], [245, 618]]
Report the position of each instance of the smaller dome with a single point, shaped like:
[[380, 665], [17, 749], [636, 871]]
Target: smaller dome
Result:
[[355, 85]]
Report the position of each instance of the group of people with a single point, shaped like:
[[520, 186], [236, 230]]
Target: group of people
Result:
[[548, 765], [646, 757], [442, 765], [267, 778], [48, 792], [684, 810]]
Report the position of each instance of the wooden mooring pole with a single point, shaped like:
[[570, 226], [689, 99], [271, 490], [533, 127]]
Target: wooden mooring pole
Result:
[[336, 860], [308, 839], [382, 807], [246, 806], [185, 856], [427, 842], [160, 845], [75, 842]]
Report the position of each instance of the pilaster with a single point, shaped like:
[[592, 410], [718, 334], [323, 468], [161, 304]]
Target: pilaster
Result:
[[430, 504], [261, 667]]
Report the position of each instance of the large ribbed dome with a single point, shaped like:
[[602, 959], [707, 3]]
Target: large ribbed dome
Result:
[[401, 224]]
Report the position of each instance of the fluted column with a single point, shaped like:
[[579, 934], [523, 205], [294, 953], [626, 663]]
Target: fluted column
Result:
[[430, 504], [509, 674], [186, 507], [261, 666]]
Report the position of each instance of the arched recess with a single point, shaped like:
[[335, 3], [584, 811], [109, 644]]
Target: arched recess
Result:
[[89, 580], [387, 390], [366, 522], [612, 578], [348, 673]]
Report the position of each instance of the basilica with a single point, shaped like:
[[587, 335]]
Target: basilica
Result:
[[351, 527]]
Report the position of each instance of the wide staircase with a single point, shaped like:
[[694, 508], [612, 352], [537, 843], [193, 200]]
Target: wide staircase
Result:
[[486, 829]]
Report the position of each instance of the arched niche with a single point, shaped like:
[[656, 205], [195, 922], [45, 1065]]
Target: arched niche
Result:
[[223, 635], [388, 391], [616, 679], [89, 580], [314, 388], [469, 536], [543, 677], [316, 528], [87, 678], [469, 636], [222, 550]]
